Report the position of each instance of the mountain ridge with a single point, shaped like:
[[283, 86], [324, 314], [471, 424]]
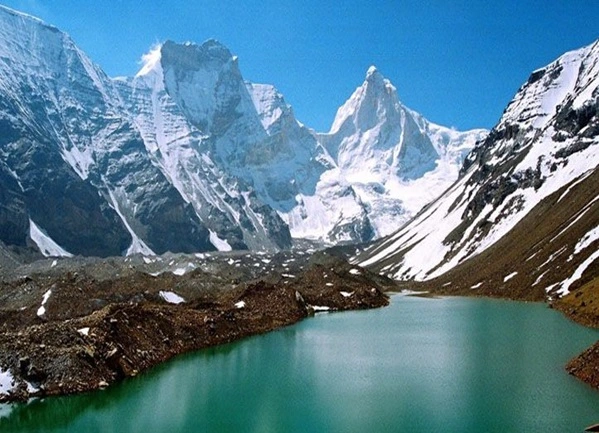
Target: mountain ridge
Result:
[[184, 156]]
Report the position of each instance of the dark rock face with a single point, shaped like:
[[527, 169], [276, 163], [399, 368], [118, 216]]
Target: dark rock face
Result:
[[54, 197], [14, 223]]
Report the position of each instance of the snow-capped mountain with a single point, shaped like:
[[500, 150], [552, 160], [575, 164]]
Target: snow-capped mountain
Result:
[[524, 212], [193, 109], [247, 132], [390, 158], [188, 156], [81, 174]]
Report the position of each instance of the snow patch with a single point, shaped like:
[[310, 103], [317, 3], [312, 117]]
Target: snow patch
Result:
[[476, 286], [83, 331], [355, 272], [137, 244], [7, 383], [565, 285], [346, 294], [171, 297], [45, 243], [42, 309], [587, 240], [240, 304], [509, 277], [219, 244]]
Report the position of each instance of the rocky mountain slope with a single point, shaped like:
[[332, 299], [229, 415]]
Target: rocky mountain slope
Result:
[[522, 220], [188, 156]]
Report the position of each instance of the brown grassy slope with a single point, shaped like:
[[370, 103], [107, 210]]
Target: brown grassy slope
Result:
[[539, 248], [582, 304]]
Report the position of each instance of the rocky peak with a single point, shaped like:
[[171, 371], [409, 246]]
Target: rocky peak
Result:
[[205, 82], [190, 56], [375, 92]]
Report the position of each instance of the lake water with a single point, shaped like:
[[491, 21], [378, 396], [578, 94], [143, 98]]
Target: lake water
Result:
[[420, 365]]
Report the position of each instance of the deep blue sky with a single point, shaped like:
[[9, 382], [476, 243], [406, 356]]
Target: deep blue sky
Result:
[[457, 62]]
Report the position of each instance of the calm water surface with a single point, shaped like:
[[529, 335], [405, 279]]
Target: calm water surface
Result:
[[420, 365]]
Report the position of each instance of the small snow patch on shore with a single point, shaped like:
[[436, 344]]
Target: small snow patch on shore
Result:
[[355, 271], [240, 304], [83, 331], [509, 277], [7, 383], [346, 294]]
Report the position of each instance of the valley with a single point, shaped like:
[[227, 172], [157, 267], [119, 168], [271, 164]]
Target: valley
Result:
[[185, 207]]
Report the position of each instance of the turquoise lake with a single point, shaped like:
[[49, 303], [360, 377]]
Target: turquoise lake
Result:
[[419, 365]]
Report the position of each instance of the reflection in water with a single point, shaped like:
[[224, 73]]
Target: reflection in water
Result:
[[456, 365]]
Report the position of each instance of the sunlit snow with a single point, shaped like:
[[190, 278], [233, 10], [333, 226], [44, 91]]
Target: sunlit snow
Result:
[[42, 309], [6, 382], [171, 297], [219, 244]]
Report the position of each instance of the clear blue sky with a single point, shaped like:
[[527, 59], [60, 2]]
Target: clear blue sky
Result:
[[456, 62]]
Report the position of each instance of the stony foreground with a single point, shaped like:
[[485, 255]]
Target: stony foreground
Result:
[[69, 326]]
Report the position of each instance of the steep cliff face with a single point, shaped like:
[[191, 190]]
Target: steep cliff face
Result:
[[530, 185], [184, 101], [42, 144]]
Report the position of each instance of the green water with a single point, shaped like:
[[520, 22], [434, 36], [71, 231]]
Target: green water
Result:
[[420, 365]]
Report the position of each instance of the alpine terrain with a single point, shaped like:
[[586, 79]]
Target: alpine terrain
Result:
[[187, 156], [522, 220]]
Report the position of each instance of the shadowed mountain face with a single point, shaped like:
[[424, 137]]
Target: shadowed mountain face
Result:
[[523, 215]]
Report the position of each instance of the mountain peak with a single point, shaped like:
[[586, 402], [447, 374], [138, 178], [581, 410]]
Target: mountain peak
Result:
[[371, 71], [192, 56], [374, 76]]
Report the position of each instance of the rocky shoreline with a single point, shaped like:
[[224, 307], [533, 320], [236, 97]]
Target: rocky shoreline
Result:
[[65, 333], [582, 306]]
